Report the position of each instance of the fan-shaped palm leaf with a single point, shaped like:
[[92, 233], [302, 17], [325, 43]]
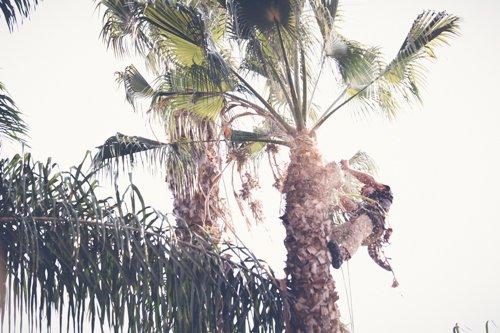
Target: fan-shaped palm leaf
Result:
[[136, 86], [429, 30], [122, 26], [403, 75], [179, 159], [118, 262], [178, 32]]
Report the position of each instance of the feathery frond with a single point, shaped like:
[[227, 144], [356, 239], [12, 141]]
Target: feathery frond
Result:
[[429, 30], [12, 125], [118, 263], [14, 10], [401, 78]]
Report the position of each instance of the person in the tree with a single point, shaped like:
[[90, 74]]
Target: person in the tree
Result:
[[366, 221]]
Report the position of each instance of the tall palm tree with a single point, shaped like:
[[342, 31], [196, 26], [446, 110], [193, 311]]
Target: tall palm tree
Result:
[[222, 52], [192, 169]]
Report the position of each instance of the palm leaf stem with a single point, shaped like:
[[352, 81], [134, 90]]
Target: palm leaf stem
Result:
[[246, 103], [282, 86], [270, 110], [304, 86], [297, 115], [330, 113], [335, 101], [311, 97]]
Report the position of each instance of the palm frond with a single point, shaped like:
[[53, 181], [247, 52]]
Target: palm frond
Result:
[[14, 10], [178, 31], [178, 159], [363, 162], [136, 86], [197, 90], [429, 30], [12, 125], [403, 76], [118, 263], [122, 27], [325, 12]]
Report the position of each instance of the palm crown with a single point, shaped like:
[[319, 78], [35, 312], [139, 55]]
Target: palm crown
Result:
[[207, 50]]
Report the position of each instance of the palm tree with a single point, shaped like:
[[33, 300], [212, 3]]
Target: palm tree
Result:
[[221, 53], [192, 169], [117, 263]]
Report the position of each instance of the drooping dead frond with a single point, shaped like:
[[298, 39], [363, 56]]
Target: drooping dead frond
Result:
[[176, 159]]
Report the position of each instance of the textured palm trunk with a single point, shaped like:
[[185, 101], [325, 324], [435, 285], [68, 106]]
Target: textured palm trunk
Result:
[[201, 212], [308, 188]]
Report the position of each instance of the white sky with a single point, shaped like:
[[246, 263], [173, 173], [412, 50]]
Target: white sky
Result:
[[441, 159]]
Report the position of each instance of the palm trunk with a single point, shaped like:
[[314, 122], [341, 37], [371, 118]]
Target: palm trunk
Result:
[[308, 188], [201, 211]]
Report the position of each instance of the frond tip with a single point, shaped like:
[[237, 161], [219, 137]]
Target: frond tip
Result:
[[12, 125], [122, 149], [13, 10], [429, 30]]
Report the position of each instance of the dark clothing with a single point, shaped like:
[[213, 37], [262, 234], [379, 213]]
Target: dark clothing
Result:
[[375, 206]]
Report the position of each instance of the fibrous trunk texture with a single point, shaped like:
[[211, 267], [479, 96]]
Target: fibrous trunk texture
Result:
[[201, 212], [307, 188]]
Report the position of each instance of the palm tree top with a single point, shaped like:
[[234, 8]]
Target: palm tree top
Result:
[[194, 43]]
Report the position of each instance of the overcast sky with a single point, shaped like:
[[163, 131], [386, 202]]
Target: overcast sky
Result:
[[441, 159]]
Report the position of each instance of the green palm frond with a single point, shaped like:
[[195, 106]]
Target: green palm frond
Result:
[[363, 162], [178, 31], [177, 159], [118, 263], [13, 10], [136, 86], [121, 146], [357, 63], [197, 90], [403, 75], [12, 125], [325, 12], [429, 30], [401, 79]]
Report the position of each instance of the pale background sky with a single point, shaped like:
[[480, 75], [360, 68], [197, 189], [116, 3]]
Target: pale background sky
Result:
[[441, 159]]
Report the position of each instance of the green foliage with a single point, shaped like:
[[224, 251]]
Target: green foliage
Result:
[[118, 262], [12, 125], [123, 152], [13, 10]]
